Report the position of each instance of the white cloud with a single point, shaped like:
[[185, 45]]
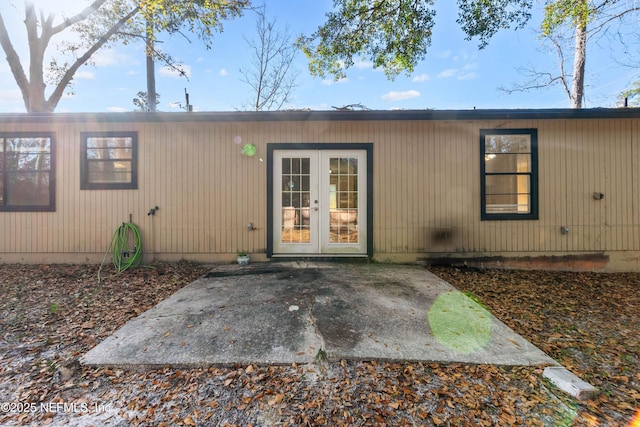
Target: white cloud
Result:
[[468, 76], [462, 56], [84, 75], [182, 71], [468, 73], [400, 96], [223, 72], [363, 65], [421, 78], [448, 73], [11, 100], [11, 94], [117, 109], [106, 57], [464, 63], [329, 82]]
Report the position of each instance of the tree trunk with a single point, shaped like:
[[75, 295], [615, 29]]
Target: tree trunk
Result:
[[579, 61], [36, 101], [33, 87], [151, 84], [151, 71]]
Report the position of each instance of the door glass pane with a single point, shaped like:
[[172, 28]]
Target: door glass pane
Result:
[[296, 200], [343, 200], [286, 166]]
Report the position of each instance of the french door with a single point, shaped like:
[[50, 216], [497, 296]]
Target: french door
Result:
[[319, 204]]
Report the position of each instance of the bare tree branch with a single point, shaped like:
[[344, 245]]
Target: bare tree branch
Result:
[[270, 75], [99, 23], [68, 75], [14, 62], [84, 14], [579, 21], [536, 79]]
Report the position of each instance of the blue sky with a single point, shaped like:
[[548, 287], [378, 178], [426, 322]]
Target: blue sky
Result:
[[454, 75]]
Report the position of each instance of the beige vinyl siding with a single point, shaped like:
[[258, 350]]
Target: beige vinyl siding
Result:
[[426, 189]]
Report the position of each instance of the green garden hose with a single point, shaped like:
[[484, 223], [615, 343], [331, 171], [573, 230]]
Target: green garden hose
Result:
[[125, 248]]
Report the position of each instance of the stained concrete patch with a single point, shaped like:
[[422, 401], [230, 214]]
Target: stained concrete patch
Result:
[[352, 311]]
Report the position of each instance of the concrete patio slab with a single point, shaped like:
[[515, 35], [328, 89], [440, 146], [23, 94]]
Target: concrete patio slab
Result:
[[285, 312]]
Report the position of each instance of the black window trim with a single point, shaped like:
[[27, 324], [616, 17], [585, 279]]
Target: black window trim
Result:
[[84, 176], [533, 214], [51, 207]]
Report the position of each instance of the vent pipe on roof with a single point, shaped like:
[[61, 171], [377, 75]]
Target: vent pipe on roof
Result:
[[189, 107]]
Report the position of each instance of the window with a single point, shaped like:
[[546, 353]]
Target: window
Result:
[[27, 176], [109, 161], [509, 173]]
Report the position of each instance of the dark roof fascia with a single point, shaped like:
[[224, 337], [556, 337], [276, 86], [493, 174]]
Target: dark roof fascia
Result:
[[367, 115]]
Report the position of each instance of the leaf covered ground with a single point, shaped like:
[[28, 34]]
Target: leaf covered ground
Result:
[[51, 314]]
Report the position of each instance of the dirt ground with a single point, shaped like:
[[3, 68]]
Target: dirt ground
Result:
[[51, 314]]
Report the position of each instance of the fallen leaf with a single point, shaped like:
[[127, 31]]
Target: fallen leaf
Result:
[[437, 421]]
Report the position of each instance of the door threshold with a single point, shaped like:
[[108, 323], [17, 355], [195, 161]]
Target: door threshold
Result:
[[328, 258]]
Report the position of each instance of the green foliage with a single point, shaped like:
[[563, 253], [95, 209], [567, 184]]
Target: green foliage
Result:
[[200, 17], [321, 357], [141, 103], [484, 18], [394, 34], [559, 12], [54, 307], [474, 299], [102, 23]]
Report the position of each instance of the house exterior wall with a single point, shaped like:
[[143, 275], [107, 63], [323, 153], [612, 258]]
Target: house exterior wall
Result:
[[426, 189]]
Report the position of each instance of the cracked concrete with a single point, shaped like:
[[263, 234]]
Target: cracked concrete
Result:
[[242, 315]]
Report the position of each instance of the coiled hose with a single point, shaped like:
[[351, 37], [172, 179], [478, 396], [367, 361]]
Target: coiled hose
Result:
[[125, 248]]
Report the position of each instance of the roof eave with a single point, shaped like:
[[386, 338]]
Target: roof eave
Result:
[[303, 115]]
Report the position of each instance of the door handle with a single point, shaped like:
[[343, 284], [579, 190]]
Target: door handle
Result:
[[315, 209]]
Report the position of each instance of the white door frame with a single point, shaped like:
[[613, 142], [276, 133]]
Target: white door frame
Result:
[[320, 235], [346, 224], [297, 220]]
